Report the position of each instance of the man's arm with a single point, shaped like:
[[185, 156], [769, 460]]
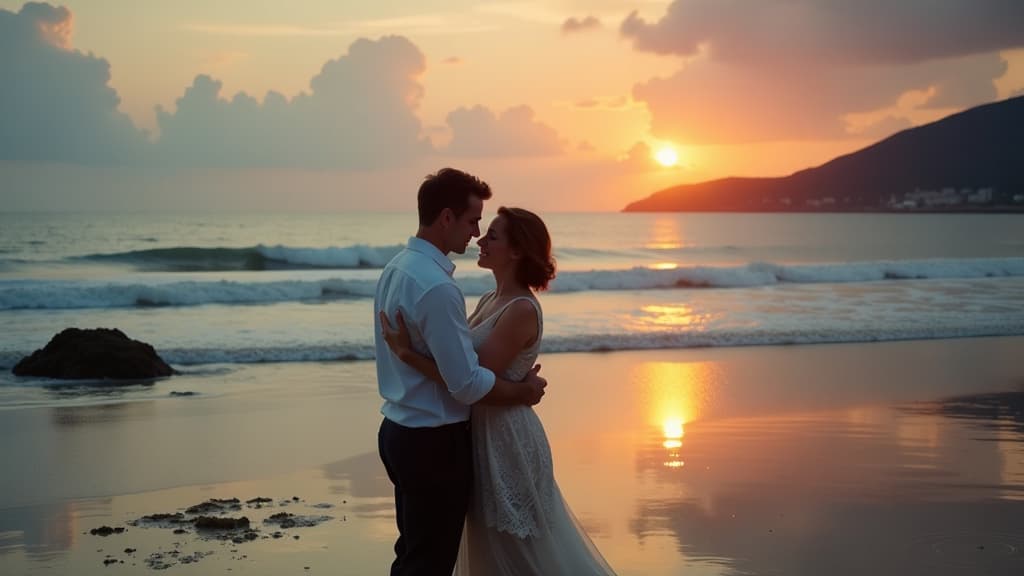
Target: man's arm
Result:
[[516, 328], [440, 316]]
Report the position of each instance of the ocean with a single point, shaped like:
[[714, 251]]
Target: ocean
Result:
[[213, 291]]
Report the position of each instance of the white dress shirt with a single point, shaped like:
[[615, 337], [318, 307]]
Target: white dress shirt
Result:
[[418, 281]]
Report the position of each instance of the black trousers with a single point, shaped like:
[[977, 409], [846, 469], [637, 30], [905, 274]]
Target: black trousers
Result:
[[432, 470]]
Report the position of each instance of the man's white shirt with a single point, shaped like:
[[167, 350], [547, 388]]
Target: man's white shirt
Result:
[[418, 281]]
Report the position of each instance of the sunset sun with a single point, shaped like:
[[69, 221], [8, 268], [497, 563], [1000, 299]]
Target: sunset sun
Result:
[[667, 156]]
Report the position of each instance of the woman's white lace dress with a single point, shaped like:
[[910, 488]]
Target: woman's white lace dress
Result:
[[518, 523]]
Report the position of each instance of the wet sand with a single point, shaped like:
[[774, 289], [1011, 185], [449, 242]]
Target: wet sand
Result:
[[890, 458]]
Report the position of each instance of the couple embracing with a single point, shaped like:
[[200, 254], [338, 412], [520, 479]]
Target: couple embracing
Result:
[[475, 492]]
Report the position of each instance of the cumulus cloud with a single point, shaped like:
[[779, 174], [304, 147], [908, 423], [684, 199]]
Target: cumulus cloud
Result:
[[478, 131], [359, 113], [55, 102], [867, 32], [757, 71], [572, 25]]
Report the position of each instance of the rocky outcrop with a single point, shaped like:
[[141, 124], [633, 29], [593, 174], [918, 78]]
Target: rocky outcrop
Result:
[[94, 353]]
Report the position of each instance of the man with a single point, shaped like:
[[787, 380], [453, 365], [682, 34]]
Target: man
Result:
[[424, 439]]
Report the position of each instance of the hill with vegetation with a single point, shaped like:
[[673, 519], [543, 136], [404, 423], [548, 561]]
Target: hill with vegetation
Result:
[[972, 161]]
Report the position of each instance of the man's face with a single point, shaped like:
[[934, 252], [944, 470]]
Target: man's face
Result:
[[465, 227]]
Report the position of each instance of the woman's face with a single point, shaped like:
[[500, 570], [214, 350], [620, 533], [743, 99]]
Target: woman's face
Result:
[[495, 251]]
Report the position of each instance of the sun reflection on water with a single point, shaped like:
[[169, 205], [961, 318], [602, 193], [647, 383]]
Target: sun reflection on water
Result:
[[676, 394], [660, 316], [672, 430], [665, 235]]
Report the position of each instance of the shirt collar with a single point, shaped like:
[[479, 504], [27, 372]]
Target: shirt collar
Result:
[[423, 247]]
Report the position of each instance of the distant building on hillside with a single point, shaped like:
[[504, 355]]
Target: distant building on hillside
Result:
[[943, 198]]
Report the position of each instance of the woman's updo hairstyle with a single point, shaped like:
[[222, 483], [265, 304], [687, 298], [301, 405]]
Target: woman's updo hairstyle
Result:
[[527, 233]]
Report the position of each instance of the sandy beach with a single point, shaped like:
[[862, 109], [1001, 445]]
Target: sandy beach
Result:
[[890, 458]]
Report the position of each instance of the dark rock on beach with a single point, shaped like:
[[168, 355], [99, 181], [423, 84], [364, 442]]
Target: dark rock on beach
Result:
[[215, 505], [94, 353], [106, 531], [220, 523]]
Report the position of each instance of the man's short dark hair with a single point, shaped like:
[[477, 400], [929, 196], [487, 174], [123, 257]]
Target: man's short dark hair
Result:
[[448, 188]]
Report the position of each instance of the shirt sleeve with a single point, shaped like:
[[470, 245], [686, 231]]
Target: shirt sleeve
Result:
[[441, 317]]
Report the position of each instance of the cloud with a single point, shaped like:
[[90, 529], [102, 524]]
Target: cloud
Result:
[[709, 103], [637, 159], [592, 103], [478, 131], [359, 114], [803, 32], [55, 102], [763, 71], [883, 127], [453, 61], [573, 25]]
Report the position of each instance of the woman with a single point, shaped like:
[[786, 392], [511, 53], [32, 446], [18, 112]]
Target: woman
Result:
[[518, 522]]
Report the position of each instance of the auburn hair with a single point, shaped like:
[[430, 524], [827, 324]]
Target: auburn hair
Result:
[[528, 234]]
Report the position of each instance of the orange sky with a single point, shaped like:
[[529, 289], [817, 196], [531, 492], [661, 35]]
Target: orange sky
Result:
[[560, 105]]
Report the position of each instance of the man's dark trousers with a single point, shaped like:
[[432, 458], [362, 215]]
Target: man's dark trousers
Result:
[[432, 470]]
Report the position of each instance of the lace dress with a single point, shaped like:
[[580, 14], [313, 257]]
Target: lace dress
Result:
[[518, 523]]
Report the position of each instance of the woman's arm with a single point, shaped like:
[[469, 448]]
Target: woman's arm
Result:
[[516, 328], [398, 341]]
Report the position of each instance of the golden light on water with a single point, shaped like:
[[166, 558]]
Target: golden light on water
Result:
[[675, 393], [673, 428], [665, 234], [659, 316], [665, 266]]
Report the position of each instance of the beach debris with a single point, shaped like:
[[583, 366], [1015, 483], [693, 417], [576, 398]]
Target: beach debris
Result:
[[162, 520], [193, 557], [289, 520], [76, 354], [157, 561], [209, 522], [247, 536], [106, 531], [215, 506], [185, 393], [220, 523]]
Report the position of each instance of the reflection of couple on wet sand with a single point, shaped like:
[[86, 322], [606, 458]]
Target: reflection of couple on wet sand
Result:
[[472, 470]]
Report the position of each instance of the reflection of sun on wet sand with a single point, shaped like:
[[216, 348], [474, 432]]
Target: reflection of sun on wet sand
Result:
[[673, 433], [790, 460]]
